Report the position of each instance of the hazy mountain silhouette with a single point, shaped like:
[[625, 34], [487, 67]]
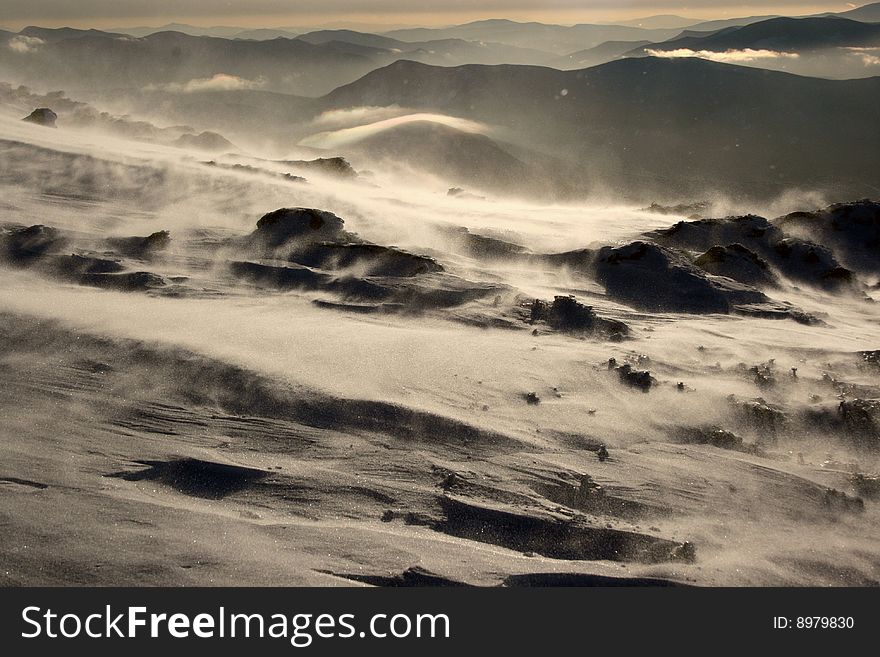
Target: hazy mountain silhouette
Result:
[[869, 13], [442, 52], [656, 125], [55, 34], [602, 53], [89, 60], [724, 23], [660, 21], [788, 34], [558, 39], [103, 61], [460, 157]]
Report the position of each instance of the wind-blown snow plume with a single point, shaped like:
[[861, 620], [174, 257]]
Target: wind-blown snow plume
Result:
[[345, 136]]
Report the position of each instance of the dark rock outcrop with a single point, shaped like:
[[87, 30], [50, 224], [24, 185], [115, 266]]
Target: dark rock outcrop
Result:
[[800, 260], [371, 259], [483, 246], [333, 166], [737, 262], [135, 281], [297, 277], [22, 245], [322, 255], [297, 225], [75, 267], [810, 263], [714, 436], [861, 421], [42, 116], [565, 314], [204, 141], [654, 278], [694, 210], [760, 416], [639, 379], [751, 231], [852, 230], [318, 239], [142, 248]]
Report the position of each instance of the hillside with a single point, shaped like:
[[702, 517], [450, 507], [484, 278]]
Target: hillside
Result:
[[630, 122]]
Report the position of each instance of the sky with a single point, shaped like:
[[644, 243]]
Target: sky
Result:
[[388, 13]]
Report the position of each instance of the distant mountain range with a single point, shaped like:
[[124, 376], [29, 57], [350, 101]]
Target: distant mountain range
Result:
[[824, 46], [312, 64], [558, 39], [867, 13], [783, 34]]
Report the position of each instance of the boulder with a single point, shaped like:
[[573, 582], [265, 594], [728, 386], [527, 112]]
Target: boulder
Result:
[[42, 116], [737, 262], [298, 225]]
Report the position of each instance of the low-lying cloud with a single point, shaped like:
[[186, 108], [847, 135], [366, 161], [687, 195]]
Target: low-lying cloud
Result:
[[219, 82], [870, 56], [25, 44], [727, 56]]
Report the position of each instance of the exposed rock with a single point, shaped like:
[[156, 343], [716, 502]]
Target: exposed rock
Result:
[[851, 229], [763, 374], [565, 314], [840, 502], [715, 436], [737, 262], [74, 267], [777, 310], [42, 116], [246, 168], [483, 246], [867, 486], [524, 530], [654, 278], [760, 416], [798, 259], [458, 192], [694, 210], [640, 379], [334, 166], [651, 277], [138, 281], [579, 260], [205, 141], [370, 259], [861, 421], [21, 245], [141, 247], [752, 231], [870, 360], [296, 277], [811, 263], [300, 225]]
